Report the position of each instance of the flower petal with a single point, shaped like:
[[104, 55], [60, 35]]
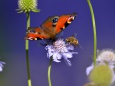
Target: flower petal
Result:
[[1, 69], [50, 50], [113, 79], [69, 54], [1, 66], [56, 60], [56, 56], [59, 56], [112, 69], [88, 69], [70, 47], [67, 61]]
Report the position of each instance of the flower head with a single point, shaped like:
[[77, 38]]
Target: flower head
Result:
[[104, 56], [60, 49], [1, 66], [107, 55], [27, 6], [103, 72]]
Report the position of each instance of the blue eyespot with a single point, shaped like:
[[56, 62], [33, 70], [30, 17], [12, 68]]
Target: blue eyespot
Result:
[[55, 20]]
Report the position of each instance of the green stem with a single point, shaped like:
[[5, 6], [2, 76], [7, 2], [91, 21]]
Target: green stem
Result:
[[94, 31], [27, 48], [49, 71]]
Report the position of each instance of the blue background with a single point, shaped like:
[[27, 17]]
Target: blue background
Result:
[[12, 43]]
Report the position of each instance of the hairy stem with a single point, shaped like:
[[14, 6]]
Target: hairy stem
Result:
[[94, 31], [49, 71], [27, 48]]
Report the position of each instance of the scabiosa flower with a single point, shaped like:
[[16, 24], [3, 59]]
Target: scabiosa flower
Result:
[[27, 6], [104, 67], [1, 66], [106, 55], [60, 49]]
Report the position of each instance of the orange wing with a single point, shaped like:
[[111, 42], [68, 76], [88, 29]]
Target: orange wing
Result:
[[50, 27], [35, 34], [64, 21]]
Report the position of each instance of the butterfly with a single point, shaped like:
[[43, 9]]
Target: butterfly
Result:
[[52, 26]]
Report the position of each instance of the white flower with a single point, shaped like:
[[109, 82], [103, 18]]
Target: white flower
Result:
[[88, 69], [104, 57], [60, 49], [107, 55], [1, 66]]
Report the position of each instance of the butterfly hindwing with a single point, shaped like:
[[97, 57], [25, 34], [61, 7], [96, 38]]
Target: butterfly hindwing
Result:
[[35, 33]]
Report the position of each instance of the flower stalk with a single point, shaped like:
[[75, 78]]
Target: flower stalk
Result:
[[27, 6], [27, 48], [49, 71], [94, 31]]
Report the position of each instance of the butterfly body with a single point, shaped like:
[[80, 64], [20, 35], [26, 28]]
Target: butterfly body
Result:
[[50, 28]]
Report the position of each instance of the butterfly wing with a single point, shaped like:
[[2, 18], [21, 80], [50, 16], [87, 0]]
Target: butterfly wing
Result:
[[50, 27], [50, 22], [35, 33], [55, 24], [64, 21], [45, 31]]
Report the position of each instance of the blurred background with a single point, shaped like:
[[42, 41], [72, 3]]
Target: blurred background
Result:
[[12, 43]]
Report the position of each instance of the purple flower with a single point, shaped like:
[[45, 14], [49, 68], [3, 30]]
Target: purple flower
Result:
[[60, 49]]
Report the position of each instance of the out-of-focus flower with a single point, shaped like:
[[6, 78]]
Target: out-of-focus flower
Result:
[[1, 66], [102, 75], [106, 55], [103, 72], [91, 84], [27, 6], [60, 49]]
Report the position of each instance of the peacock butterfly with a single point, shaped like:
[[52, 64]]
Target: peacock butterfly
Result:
[[50, 27]]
